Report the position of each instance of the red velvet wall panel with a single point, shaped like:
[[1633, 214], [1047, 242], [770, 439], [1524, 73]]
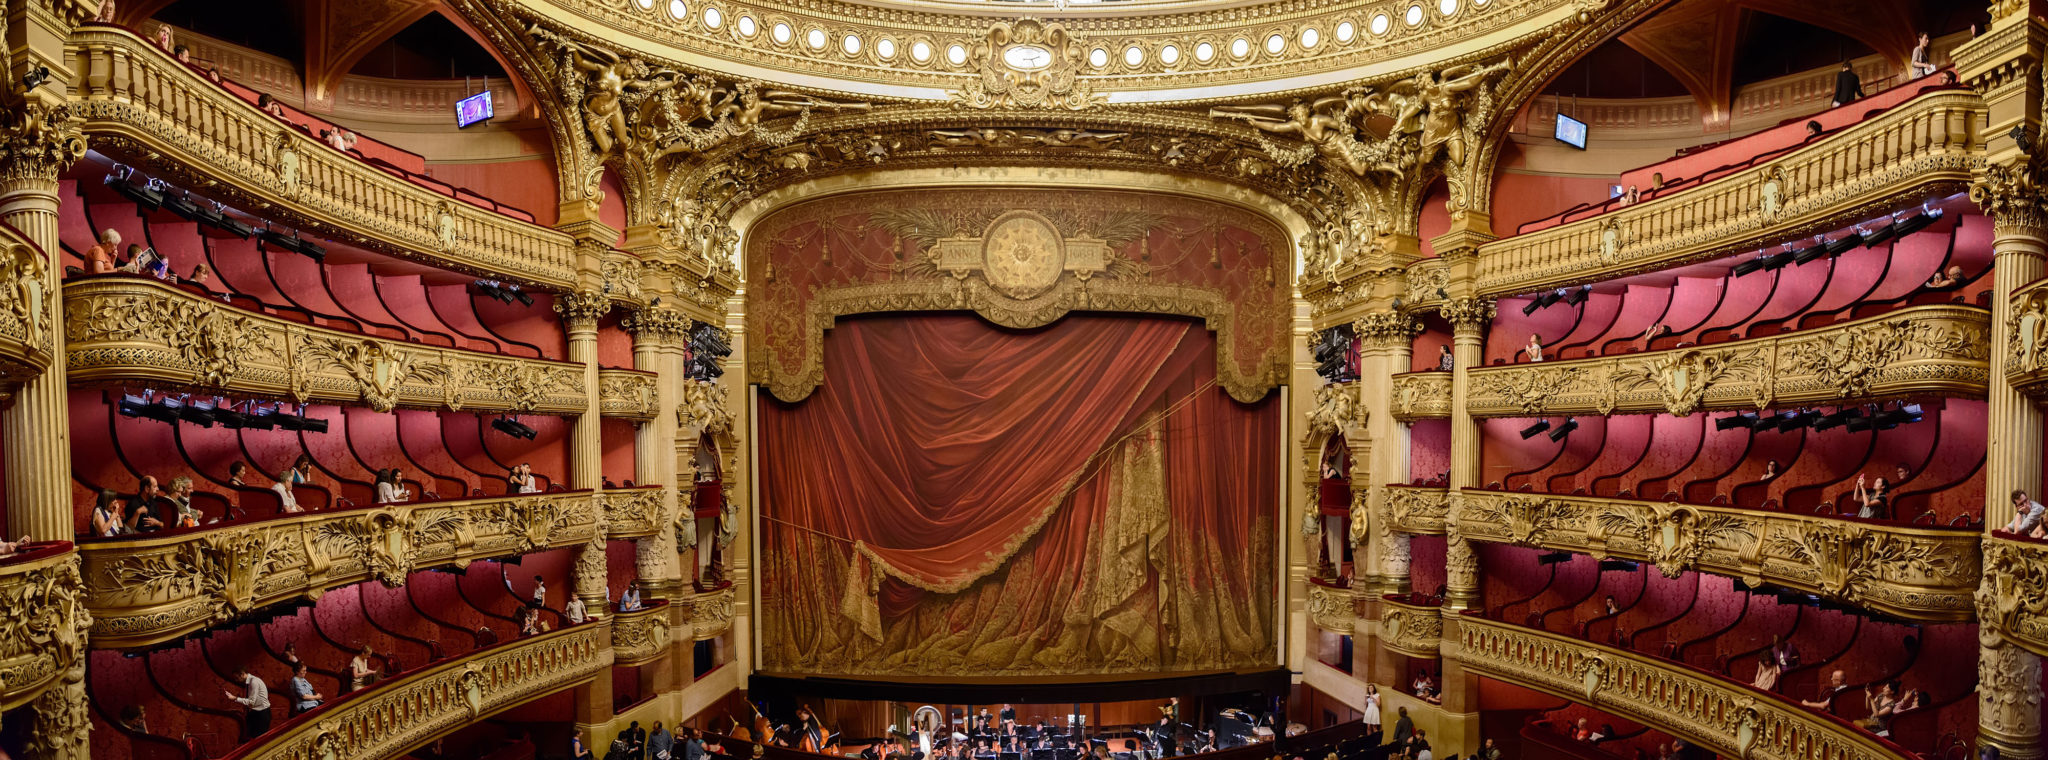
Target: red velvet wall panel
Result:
[[1429, 449], [355, 288], [614, 345], [1597, 315], [1424, 351], [1674, 444], [1509, 333], [406, 297], [526, 183], [537, 326], [1436, 217], [619, 437], [1520, 197], [1628, 437], [1425, 563], [1504, 452]]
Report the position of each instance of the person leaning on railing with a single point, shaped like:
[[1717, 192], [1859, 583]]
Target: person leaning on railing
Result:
[[2027, 517]]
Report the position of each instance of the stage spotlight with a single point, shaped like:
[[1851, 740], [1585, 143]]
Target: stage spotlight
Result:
[[513, 428], [229, 224], [1570, 424], [1578, 295], [1617, 564], [1532, 430], [1813, 253], [1880, 235], [1330, 350], [1841, 417], [1915, 223], [1775, 261], [293, 243], [1794, 420], [1733, 421], [1764, 423], [198, 412], [1553, 558], [1845, 243], [261, 417], [132, 405], [1531, 307], [122, 180], [1746, 268], [36, 76]]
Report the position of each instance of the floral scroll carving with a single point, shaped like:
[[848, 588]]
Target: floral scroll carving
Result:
[[1675, 535]]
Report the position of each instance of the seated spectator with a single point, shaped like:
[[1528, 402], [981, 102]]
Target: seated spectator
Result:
[[287, 501], [1649, 334], [270, 105], [1770, 472], [183, 54], [301, 692], [573, 610], [1826, 697], [106, 12], [163, 37], [1445, 361], [390, 488], [145, 515], [1612, 607], [291, 654], [1534, 349], [1947, 279], [131, 716], [99, 259], [1874, 502], [1813, 129], [236, 468], [146, 261], [362, 669], [1605, 732], [1882, 701], [540, 592], [10, 548], [1923, 63], [200, 274], [2026, 519], [106, 519], [529, 621], [631, 599], [180, 498], [1767, 671]]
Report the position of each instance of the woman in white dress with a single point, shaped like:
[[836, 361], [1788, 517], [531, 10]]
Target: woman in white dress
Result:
[[1372, 709]]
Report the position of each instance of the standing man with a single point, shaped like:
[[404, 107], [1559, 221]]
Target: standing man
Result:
[[1848, 86], [660, 745], [256, 700], [1403, 728], [636, 739]]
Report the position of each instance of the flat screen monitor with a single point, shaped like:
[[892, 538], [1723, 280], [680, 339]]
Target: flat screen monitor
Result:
[[1571, 131], [473, 109]]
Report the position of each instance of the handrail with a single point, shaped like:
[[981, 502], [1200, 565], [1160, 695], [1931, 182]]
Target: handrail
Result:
[[125, 329], [1728, 718], [627, 393], [45, 607], [1909, 571], [135, 97], [148, 588], [1932, 350], [1924, 147], [393, 715]]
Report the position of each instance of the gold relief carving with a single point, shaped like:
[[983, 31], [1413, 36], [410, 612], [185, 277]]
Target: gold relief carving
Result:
[[377, 369], [629, 394], [1428, 280], [39, 141], [711, 613], [1468, 314], [1385, 328], [1411, 629], [632, 512], [992, 139], [639, 636], [414, 708], [582, 309], [1418, 510], [1772, 194], [213, 342], [145, 590], [1421, 396], [1337, 410], [1716, 714], [703, 408], [2009, 605], [621, 276], [1929, 151], [2008, 696], [1026, 64], [1913, 572], [664, 325], [2008, 193], [1330, 608], [42, 644], [1920, 350]]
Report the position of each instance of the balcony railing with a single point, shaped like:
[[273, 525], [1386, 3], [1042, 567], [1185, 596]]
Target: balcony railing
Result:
[[1912, 572], [144, 589], [1410, 628], [710, 613], [1422, 396], [25, 348], [640, 635], [1726, 718], [628, 393], [1923, 148], [1332, 609], [41, 637], [2015, 572], [387, 719], [632, 512], [1936, 350], [137, 100], [129, 330], [2026, 340], [1421, 510]]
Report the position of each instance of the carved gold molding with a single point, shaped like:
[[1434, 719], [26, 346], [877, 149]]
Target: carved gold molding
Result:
[[1417, 509], [1912, 572], [1415, 630], [43, 633], [25, 311], [2010, 603], [414, 708], [2026, 340], [640, 635], [1940, 350], [632, 512], [121, 330], [710, 613], [1723, 717], [1422, 396], [1925, 148], [153, 588], [1332, 609], [627, 393], [164, 115]]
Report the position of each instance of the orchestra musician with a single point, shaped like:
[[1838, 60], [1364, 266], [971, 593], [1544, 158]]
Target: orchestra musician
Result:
[[810, 733]]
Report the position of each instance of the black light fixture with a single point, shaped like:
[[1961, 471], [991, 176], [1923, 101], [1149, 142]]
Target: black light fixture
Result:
[[295, 244], [1810, 253], [198, 412], [37, 76], [1617, 564], [122, 180], [1748, 267], [1734, 421], [1570, 424], [1553, 558], [2022, 138], [1578, 295], [1764, 423], [1794, 420], [1532, 430], [1916, 222], [1880, 235], [513, 428], [1331, 350], [229, 224], [1840, 417], [1845, 243]]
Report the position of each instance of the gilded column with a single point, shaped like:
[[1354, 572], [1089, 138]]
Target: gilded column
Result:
[[1468, 318], [2019, 249], [1385, 346], [2009, 699], [39, 143], [580, 312], [657, 334]]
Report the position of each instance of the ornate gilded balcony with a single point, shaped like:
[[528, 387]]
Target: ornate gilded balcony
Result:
[[43, 633], [1909, 571], [642, 634], [627, 393], [1418, 509], [1416, 630], [1924, 148], [1726, 718], [415, 708], [155, 587], [2026, 356], [1332, 609], [129, 330], [139, 102], [1422, 396], [632, 512], [25, 348], [2013, 605], [710, 613], [1938, 350]]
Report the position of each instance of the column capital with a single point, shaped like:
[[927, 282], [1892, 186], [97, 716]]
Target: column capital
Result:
[[2007, 192], [657, 324], [582, 309], [1468, 314], [1382, 329], [38, 143]]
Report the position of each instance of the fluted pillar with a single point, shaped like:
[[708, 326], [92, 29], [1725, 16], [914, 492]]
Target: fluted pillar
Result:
[[2015, 424], [1468, 318], [1385, 347], [36, 428], [657, 334], [580, 312]]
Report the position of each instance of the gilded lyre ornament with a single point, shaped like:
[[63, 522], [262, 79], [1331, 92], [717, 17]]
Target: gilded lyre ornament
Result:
[[2008, 599], [1675, 536], [377, 368], [1027, 63], [1684, 376]]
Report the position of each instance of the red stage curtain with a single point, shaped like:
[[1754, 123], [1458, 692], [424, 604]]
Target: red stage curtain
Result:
[[1080, 497]]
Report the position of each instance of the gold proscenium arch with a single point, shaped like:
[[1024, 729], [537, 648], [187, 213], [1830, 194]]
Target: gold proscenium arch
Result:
[[1060, 293]]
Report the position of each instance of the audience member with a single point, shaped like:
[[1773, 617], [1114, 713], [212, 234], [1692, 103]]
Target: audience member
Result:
[[693, 745], [1582, 731], [1612, 607], [573, 610], [1651, 333], [540, 592], [1534, 349], [1786, 654], [1923, 63], [131, 716], [1874, 502], [183, 54], [1813, 130], [11, 548], [200, 274], [660, 744], [1487, 751], [362, 669], [576, 749], [1848, 86], [291, 654], [1826, 696], [106, 15], [163, 37], [521, 480], [301, 692], [236, 469], [1946, 279], [635, 737], [270, 105], [2026, 519], [1767, 671], [1770, 472], [144, 514], [255, 699], [1882, 700], [1422, 745], [631, 599], [99, 259], [391, 488], [1403, 726], [105, 519], [180, 498], [1372, 709]]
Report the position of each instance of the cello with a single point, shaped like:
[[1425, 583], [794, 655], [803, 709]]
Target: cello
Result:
[[810, 736]]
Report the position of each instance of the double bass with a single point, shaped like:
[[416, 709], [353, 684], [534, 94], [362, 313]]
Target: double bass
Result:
[[810, 735]]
